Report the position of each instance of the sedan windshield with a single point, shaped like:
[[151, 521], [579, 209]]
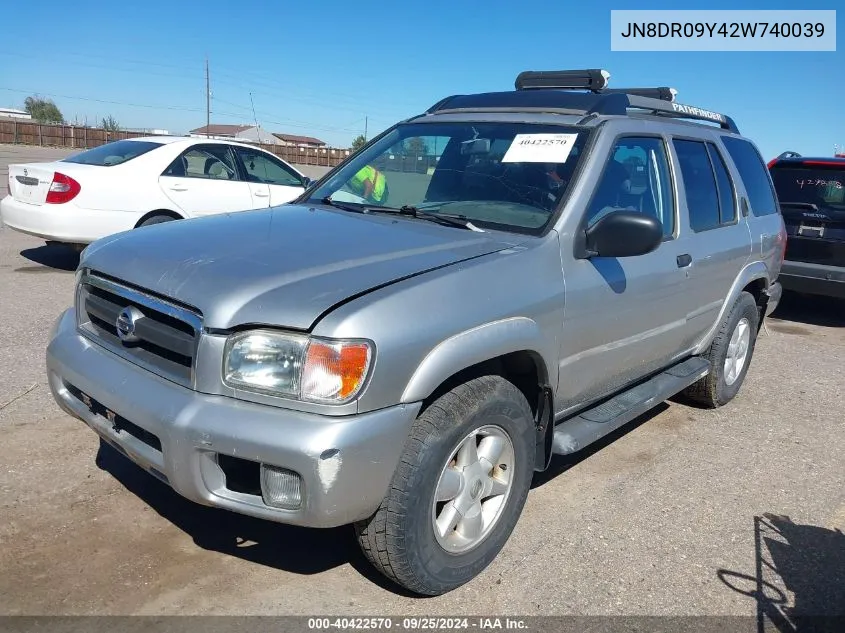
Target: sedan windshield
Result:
[[506, 176], [113, 153]]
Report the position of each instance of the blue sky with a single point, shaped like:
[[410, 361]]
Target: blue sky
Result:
[[320, 67]]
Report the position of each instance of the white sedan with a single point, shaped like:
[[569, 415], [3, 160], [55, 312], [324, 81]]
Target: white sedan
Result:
[[135, 182]]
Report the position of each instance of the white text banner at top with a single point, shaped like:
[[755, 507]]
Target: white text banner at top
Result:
[[709, 30]]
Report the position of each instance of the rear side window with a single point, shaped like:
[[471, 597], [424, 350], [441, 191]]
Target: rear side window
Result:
[[702, 193], [112, 154], [754, 175]]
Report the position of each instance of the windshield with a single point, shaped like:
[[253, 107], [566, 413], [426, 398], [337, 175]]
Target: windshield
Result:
[[823, 186], [507, 176], [113, 153]]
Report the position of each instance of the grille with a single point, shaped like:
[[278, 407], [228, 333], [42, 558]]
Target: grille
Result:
[[164, 335]]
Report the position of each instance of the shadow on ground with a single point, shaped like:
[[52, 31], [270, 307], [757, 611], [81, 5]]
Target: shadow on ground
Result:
[[298, 550], [50, 256], [809, 309], [806, 560]]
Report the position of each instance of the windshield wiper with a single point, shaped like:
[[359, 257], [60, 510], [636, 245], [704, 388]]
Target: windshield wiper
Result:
[[458, 221], [346, 206]]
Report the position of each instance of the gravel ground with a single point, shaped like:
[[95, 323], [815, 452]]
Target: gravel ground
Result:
[[668, 517]]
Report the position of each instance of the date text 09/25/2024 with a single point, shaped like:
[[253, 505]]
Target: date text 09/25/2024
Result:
[[416, 623]]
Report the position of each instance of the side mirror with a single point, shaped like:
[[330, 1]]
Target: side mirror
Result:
[[307, 182], [624, 234]]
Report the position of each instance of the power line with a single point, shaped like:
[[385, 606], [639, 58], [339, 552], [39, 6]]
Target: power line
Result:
[[124, 103], [329, 101]]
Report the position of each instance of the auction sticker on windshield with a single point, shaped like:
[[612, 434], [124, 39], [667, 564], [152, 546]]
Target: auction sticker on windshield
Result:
[[540, 148]]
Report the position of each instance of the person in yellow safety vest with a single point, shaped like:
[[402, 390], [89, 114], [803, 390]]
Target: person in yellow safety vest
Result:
[[369, 183]]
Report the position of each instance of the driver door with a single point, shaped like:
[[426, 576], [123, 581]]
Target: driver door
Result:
[[626, 316], [271, 182]]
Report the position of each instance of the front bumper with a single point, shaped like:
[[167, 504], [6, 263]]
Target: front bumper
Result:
[[345, 463], [816, 279], [64, 222]]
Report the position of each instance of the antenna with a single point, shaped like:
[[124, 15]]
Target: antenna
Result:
[[366, 122], [255, 117], [207, 101]]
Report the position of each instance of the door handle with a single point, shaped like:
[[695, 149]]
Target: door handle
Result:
[[262, 194], [178, 188], [684, 260]]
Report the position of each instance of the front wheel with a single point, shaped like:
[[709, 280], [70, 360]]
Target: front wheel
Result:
[[156, 219], [458, 491]]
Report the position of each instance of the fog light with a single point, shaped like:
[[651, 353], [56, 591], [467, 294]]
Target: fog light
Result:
[[280, 487]]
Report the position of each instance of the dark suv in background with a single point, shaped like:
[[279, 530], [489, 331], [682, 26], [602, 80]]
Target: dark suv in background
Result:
[[811, 192]]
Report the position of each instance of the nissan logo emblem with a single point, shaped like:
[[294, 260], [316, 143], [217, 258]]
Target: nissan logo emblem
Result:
[[126, 323]]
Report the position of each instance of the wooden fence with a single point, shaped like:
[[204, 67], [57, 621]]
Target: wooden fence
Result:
[[81, 137]]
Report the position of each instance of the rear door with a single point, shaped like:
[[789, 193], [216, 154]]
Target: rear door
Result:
[[271, 181], [812, 200], [203, 180], [717, 243]]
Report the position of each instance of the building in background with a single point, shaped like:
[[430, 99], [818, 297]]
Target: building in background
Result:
[[292, 140], [14, 113], [244, 133], [150, 131]]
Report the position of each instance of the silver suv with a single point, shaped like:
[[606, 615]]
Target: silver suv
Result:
[[506, 277]]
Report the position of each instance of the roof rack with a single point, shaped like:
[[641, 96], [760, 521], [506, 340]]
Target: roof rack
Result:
[[663, 93], [580, 92], [594, 79]]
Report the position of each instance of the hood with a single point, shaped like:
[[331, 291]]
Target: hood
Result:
[[283, 266]]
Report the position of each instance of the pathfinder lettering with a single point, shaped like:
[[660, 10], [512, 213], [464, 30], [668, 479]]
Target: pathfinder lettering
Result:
[[707, 114]]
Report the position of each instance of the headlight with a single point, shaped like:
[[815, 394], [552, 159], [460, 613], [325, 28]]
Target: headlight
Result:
[[296, 366]]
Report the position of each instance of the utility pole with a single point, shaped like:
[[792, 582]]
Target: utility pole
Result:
[[366, 121], [207, 101]]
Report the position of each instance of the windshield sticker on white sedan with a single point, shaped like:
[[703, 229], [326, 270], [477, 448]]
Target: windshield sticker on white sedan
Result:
[[540, 148]]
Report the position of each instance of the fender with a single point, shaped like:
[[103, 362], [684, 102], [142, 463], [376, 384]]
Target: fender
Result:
[[751, 272], [471, 347]]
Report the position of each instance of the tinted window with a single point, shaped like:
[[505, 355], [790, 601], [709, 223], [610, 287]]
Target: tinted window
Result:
[[499, 175], [261, 168], [727, 201], [823, 186], [754, 175], [112, 153], [699, 184], [204, 161], [636, 178]]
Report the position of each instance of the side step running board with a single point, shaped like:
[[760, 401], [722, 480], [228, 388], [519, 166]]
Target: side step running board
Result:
[[588, 426]]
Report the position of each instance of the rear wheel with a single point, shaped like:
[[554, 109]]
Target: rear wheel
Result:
[[729, 354], [458, 491]]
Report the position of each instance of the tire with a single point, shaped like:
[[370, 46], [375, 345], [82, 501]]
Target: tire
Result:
[[720, 386], [400, 540], [156, 219]]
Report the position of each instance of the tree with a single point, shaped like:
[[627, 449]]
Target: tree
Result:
[[358, 142], [415, 147], [43, 110], [110, 124]]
